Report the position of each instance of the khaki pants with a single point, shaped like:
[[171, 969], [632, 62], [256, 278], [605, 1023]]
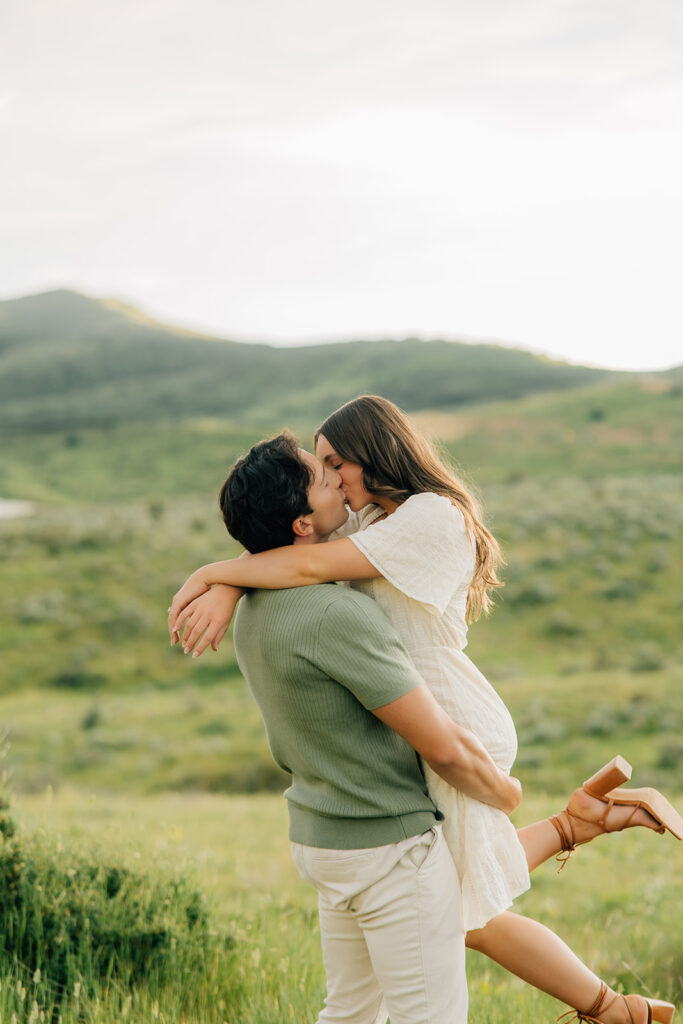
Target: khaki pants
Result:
[[390, 926]]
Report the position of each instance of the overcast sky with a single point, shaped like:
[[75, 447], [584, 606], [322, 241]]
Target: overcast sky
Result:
[[298, 170]]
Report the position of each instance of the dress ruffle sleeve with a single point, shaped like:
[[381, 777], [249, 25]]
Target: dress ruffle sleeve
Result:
[[422, 548]]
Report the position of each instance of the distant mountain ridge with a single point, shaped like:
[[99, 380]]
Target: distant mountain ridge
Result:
[[67, 360]]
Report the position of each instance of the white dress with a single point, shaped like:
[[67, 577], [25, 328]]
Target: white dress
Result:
[[424, 554]]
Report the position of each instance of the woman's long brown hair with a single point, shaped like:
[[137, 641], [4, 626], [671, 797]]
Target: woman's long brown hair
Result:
[[398, 462]]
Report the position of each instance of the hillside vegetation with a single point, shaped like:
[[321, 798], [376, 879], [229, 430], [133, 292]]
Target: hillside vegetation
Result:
[[582, 487], [68, 360]]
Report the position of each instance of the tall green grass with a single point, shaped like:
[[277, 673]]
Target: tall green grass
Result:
[[78, 922], [617, 903]]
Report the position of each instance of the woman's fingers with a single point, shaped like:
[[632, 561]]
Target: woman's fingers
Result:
[[176, 626], [203, 643], [212, 637], [219, 636], [194, 627], [192, 588], [204, 621]]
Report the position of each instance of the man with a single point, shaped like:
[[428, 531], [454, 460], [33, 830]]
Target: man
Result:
[[345, 711]]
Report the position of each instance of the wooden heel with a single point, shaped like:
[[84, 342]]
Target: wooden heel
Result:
[[662, 1012], [612, 775]]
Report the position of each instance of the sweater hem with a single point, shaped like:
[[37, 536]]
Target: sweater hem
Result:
[[312, 829]]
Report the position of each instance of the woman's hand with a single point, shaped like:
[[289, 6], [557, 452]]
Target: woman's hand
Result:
[[193, 587], [206, 619]]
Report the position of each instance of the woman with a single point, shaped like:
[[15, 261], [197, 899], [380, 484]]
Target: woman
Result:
[[415, 542]]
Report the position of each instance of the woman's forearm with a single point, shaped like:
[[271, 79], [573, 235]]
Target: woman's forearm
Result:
[[269, 570], [299, 565]]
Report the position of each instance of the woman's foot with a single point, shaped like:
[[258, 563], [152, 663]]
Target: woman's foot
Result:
[[592, 816], [600, 807], [612, 1008]]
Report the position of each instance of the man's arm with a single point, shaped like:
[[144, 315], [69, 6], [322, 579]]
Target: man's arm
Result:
[[451, 751], [360, 648]]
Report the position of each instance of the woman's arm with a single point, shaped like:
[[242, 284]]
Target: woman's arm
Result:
[[298, 565]]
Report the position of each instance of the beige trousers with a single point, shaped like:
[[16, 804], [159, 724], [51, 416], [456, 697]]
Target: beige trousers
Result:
[[391, 931]]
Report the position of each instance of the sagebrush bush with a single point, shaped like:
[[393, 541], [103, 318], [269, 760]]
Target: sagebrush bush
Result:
[[74, 919]]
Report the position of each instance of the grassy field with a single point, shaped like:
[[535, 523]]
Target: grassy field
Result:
[[617, 904]]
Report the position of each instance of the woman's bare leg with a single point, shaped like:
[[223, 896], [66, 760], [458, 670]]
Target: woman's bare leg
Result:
[[538, 956], [540, 841], [533, 952]]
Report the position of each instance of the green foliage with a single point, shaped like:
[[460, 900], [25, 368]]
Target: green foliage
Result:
[[617, 904], [592, 534], [69, 918]]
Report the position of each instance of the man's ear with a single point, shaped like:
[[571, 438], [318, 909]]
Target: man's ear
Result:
[[302, 527]]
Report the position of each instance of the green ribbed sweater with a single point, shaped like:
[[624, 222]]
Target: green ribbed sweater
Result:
[[318, 660]]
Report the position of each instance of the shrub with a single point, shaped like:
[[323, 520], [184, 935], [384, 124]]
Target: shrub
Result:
[[622, 589], [50, 606], [73, 919], [76, 674], [562, 624], [671, 756], [77, 679], [91, 719], [541, 731], [647, 657], [538, 591]]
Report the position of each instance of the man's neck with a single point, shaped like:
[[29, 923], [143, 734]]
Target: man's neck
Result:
[[312, 538]]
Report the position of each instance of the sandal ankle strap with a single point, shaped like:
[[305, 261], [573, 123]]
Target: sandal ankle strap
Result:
[[562, 823], [589, 1015]]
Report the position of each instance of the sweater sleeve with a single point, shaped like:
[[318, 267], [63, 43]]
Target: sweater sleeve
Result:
[[359, 648], [423, 549]]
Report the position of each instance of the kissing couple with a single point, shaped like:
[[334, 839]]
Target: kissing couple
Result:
[[398, 749]]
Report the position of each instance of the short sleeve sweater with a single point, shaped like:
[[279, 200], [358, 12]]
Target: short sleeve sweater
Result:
[[318, 659]]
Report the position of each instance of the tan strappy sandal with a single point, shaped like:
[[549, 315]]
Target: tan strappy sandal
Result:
[[603, 786], [655, 1009]]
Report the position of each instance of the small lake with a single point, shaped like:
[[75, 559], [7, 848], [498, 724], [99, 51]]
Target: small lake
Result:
[[10, 509]]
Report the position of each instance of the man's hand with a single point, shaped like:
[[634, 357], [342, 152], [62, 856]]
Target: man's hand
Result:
[[206, 619], [193, 587], [515, 787]]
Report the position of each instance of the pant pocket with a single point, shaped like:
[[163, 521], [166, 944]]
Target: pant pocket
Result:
[[418, 853]]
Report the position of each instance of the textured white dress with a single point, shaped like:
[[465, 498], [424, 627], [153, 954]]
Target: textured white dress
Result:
[[424, 554]]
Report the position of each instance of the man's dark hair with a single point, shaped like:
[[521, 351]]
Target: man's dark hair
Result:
[[264, 493]]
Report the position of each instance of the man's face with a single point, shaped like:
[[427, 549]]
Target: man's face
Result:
[[325, 496]]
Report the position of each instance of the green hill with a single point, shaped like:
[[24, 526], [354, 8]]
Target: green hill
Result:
[[66, 360]]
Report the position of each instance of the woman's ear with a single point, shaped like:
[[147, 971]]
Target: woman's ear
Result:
[[302, 527]]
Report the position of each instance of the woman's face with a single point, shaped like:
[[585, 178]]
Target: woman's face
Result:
[[350, 472]]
